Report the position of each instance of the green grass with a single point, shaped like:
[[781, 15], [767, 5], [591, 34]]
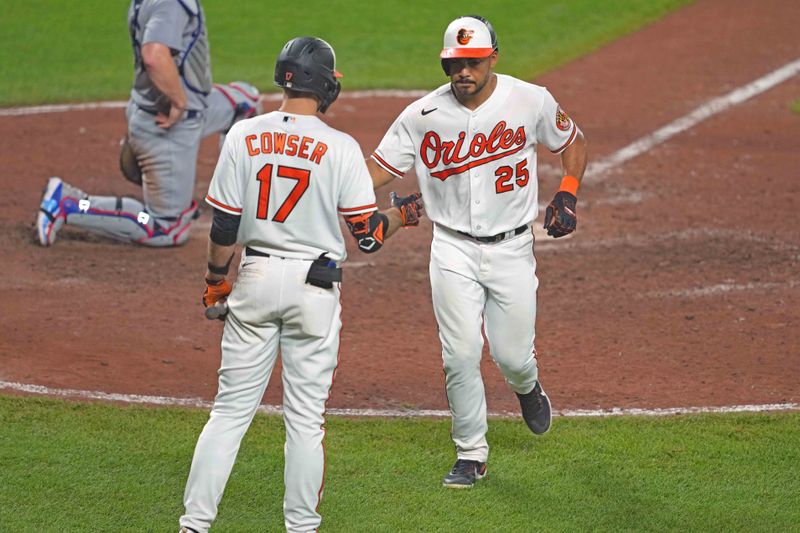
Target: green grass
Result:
[[795, 107], [79, 49], [90, 467]]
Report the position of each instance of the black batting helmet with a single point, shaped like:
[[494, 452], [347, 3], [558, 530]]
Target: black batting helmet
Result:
[[308, 65]]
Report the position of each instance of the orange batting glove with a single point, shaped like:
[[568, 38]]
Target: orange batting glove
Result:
[[215, 291]]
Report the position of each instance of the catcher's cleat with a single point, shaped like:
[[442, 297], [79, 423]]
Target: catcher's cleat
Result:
[[536, 410], [464, 474], [58, 201], [51, 216]]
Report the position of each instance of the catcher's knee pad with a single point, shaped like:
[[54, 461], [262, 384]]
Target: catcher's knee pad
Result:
[[128, 163], [169, 232], [245, 99]]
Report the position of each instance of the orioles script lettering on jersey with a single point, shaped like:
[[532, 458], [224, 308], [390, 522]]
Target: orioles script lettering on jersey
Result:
[[281, 143], [433, 149]]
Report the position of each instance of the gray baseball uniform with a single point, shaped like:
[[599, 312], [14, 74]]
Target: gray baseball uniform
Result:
[[167, 157]]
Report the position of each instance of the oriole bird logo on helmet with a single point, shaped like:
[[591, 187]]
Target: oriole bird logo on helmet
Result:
[[464, 36]]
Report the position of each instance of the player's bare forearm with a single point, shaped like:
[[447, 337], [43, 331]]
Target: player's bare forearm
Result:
[[560, 218], [395, 221], [380, 176], [575, 157], [219, 258], [161, 69]]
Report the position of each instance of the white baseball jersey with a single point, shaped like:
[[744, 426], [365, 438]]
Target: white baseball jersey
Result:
[[289, 177], [477, 169]]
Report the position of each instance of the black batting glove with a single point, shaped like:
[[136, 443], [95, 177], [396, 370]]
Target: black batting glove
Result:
[[410, 207], [561, 216]]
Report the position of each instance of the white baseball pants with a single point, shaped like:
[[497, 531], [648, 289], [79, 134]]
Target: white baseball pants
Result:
[[271, 308], [493, 285]]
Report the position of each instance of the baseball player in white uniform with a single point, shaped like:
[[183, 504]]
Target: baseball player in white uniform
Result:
[[173, 105], [281, 181], [472, 144]]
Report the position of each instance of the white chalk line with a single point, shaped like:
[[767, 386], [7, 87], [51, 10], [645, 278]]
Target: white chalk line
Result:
[[596, 171], [268, 97], [721, 288], [390, 413]]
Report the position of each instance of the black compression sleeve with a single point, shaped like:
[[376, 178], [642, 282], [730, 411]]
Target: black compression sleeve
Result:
[[224, 228], [368, 229]]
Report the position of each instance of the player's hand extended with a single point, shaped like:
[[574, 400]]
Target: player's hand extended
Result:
[[173, 117], [410, 207], [215, 291], [561, 216]]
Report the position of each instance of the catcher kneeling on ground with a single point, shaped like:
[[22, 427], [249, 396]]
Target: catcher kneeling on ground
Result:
[[173, 105], [279, 183]]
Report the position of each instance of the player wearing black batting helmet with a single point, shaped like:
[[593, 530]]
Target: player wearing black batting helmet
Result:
[[308, 65], [281, 182]]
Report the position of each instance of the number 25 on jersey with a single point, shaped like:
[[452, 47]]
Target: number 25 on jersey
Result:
[[505, 173]]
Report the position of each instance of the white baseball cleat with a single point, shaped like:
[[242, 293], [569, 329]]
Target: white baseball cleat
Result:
[[51, 216]]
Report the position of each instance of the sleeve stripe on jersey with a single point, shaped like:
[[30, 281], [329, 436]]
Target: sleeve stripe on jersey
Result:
[[358, 210], [569, 141], [385, 165], [217, 203]]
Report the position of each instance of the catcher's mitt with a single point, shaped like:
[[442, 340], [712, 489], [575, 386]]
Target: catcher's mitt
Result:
[[410, 207], [561, 216], [128, 163]]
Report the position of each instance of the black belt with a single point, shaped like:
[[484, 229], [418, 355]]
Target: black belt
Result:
[[322, 272], [190, 113], [499, 237], [249, 252]]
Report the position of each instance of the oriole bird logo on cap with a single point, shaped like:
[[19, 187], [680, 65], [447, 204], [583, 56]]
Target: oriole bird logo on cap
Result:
[[464, 36]]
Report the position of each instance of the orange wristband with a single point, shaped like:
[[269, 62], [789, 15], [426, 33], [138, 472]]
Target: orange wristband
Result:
[[570, 184]]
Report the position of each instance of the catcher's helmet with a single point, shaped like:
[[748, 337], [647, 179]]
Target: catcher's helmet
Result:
[[468, 36], [308, 65]]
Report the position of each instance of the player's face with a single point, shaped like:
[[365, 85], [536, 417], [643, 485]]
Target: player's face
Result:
[[469, 76]]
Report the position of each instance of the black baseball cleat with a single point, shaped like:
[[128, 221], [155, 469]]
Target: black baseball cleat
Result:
[[536, 409], [464, 474]]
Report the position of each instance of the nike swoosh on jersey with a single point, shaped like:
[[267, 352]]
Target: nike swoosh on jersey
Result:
[[426, 111]]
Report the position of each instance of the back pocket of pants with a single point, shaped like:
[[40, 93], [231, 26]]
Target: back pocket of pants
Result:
[[319, 310]]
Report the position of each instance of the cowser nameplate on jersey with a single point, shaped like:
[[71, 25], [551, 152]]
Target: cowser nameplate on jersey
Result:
[[501, 142]]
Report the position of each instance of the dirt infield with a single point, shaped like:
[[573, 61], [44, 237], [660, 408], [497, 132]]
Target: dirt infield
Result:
[[681, 287]]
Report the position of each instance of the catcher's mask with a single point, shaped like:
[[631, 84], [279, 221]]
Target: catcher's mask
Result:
[[468, 36], [308, 65]]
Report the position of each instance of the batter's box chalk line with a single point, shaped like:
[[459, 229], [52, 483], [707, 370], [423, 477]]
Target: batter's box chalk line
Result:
[[388, 413]]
